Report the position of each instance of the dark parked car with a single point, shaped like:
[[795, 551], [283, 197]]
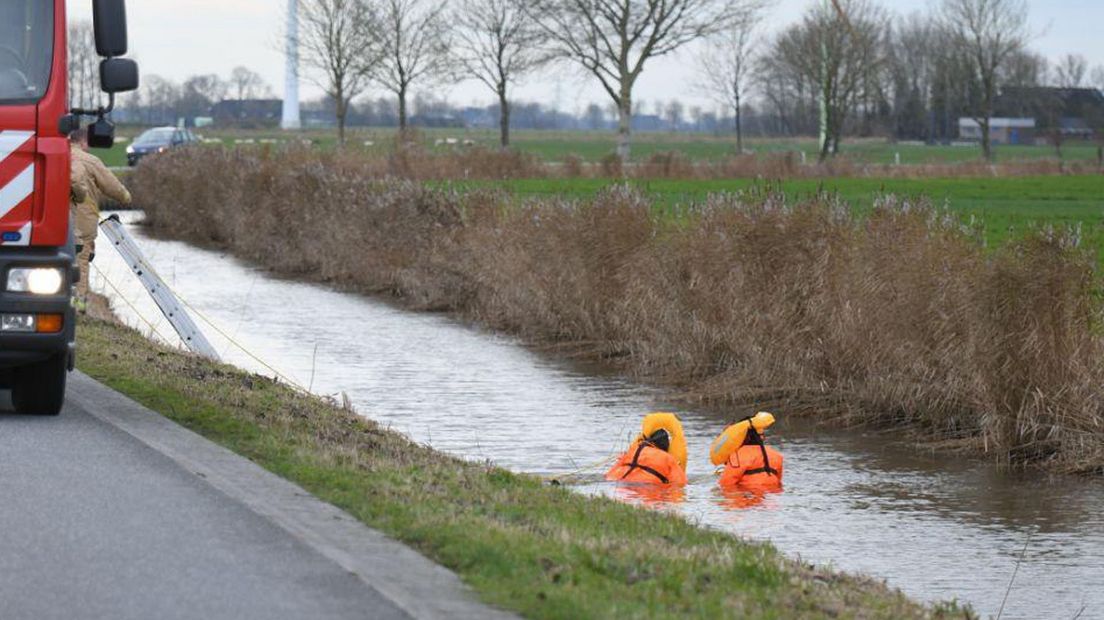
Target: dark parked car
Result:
[[158, 140]]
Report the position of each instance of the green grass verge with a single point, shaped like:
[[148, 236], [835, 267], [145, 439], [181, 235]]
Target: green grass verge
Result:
[[1005, 207], [543, 551]]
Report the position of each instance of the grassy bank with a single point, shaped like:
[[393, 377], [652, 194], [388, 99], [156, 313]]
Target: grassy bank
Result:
[[540, 550], [899, 318]]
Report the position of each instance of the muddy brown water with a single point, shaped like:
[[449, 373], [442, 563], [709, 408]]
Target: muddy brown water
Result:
[[938, 528]]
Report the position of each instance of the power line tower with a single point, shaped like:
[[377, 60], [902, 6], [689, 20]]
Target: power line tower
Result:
[[290, 118]]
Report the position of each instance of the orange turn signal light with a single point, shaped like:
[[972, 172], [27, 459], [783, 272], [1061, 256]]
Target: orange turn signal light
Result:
[[50, 323]]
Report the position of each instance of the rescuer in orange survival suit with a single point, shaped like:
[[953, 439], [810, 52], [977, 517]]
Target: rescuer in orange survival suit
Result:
[[91, 181], [748, 462], [657, 456]]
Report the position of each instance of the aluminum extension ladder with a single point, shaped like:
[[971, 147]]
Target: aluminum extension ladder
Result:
[[162, 295]]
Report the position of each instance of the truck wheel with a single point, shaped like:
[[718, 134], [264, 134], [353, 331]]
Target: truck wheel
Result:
[[39, 389]]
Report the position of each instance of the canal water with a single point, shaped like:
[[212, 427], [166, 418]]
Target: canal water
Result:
[[937, 527]]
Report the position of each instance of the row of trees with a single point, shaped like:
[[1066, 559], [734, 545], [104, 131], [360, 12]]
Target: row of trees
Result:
[[672, 115], [910, 77], [162, 101], [160, 98], [349, 44], [846, 65]]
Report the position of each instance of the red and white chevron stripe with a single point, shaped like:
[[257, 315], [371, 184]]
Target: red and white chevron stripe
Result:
[[17, 184]]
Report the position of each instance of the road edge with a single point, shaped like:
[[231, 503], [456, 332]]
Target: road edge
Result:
[[414, 583]]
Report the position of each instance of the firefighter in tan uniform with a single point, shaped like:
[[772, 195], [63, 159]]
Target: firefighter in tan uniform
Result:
[[92, 181]]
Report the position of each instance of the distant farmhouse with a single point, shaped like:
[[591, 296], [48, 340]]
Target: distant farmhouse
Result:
[[1027, 114], [1001, 130]]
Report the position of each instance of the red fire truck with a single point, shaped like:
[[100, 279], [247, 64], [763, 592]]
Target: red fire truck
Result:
[[37, 271]]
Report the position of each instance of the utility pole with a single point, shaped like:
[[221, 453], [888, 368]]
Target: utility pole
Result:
[[290, 120]]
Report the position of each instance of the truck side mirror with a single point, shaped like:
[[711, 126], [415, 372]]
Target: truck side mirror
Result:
[[118, 75], [109, 22]]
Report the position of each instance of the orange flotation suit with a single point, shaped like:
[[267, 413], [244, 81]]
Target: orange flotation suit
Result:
[[753, 466], [646, 463]]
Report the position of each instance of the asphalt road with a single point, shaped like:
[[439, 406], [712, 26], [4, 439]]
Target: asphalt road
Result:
[[111, 511]]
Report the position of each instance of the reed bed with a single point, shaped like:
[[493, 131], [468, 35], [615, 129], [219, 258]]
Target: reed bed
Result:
[[899, 319]]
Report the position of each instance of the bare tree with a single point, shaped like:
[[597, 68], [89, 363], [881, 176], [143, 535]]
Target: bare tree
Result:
[[614, 39], [852, 38], [414, 41], [788, 91], [209, 85], [161, 97], [84, 72], [835, 57], [595, 117], [913, 61], [1071, 71], [1096, 118], [724, 68], [985, 33], [1025, 69], [497, 43], [245, 83], [338, 45], [199, 92], [673, 113]]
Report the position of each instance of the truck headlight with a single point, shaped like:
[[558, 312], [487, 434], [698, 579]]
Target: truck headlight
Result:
[[130, 150], [35, 280]]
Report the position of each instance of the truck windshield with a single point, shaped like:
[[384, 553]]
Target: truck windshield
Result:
[[26, 49]]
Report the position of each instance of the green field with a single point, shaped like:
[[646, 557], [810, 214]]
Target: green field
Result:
[[555, 146], [1005, 206]]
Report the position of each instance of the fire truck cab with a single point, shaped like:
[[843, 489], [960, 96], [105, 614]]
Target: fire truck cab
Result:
[[37, 252]]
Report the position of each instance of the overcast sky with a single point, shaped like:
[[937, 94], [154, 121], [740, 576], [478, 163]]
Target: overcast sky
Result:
[[178, 38]]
